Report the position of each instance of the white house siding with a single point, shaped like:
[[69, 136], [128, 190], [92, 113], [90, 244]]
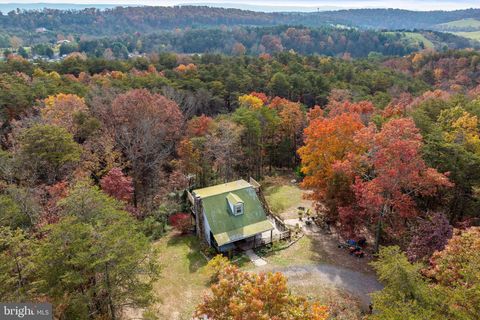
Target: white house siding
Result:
[[206, 227]]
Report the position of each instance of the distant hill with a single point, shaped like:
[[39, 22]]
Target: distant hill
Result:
[[7, 7], [78, 19], [464, 25], [43, 25]]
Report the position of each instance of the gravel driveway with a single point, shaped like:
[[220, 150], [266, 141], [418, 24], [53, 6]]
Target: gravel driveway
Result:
[[357, 283]]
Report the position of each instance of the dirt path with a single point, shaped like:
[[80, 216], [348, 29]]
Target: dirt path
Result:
[[339, 270]]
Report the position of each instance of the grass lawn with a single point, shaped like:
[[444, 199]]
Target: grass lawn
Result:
[[280, 198], [183, 278], [304, 251]]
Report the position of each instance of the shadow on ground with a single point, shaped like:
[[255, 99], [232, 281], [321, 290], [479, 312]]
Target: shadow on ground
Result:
[[195, 258]]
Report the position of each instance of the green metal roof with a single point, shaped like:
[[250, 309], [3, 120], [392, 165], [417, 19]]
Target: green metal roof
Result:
[[226, 227]]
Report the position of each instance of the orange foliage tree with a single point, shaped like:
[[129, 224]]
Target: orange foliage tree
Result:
[[328, 140], [240, 295]]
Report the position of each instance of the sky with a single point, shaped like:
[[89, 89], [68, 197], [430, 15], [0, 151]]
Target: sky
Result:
[[283, 4]]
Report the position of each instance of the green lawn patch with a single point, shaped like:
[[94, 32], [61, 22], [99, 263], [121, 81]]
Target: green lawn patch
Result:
[[183, 277], [280, 198], [304, 251]]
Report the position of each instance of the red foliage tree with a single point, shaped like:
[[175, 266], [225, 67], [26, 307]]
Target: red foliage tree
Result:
[[430, 235], [260, 95], [146, 128], [117, 185], [395, 174], [199, 126], [181, 221], [51, 196]]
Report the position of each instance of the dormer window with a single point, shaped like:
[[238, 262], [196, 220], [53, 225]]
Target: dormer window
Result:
[[235, 204], [239, 209]]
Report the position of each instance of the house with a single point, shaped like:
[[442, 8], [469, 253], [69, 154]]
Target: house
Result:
[[230, 215]]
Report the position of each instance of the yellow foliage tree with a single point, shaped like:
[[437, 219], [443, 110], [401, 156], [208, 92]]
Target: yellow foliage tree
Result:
[[61, 109], [250, 101]]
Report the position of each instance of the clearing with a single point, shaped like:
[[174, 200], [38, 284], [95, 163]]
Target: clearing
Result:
[[460, 24], [474, 35], [314, 265], [414, 38]]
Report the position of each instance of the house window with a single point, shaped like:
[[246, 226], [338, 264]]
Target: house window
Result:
[[238, 209]]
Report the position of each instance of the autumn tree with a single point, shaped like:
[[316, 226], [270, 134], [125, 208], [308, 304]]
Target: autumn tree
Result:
[[60, 110], [456, 271], [146, 127], [327, 141], [243, 295], [393, 176], [452, 138], [430, 234], [250, 101], [117, 185], [223, 148], [292, 121], [199, 126], [238, 49]]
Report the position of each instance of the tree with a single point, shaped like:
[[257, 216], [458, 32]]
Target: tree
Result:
[[48, 149], [117, 185], [181, 221], [17, 267], [223, 148], [279, 85], [393, 174], [199, 126], [250, 296], [238, 49], [95, 260], [250, 101], [430, 235], [23, 53], [16, 42], [292, 121], [146, 128], [406, 294], [61, 110], [455, 269], [327, 141], [18, 208]]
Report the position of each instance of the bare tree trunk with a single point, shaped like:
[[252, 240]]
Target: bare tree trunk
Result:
[[378, 230], [110, 302]]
